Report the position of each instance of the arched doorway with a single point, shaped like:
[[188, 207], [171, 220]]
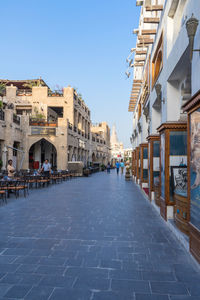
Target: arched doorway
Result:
[[40, 151]]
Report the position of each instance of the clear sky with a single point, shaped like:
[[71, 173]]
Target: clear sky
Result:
[[82, 43]]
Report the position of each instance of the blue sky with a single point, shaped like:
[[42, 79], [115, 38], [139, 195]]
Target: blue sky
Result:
[[83, 43]]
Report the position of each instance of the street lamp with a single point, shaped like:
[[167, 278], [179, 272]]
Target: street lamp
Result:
[[191, 27]]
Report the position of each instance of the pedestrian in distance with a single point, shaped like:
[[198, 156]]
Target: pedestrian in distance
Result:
[[117, 167], [122, 166], [108, 167], [46, 168]]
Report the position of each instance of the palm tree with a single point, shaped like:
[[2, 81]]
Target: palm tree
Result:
[[33, 83]]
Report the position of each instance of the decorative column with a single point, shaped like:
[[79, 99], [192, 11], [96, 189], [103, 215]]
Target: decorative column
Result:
[[153, 165]]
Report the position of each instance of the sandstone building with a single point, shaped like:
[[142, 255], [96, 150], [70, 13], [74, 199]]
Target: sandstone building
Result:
[[43, 124]]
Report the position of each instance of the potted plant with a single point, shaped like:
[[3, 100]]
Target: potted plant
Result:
[[128, 173]]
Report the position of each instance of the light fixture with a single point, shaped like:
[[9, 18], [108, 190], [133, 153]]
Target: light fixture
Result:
[[128, 58], [158, 89], [191, 27], [135, 31]]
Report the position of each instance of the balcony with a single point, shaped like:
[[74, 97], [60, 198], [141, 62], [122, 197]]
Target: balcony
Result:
[[2, 115], [42, 122], [16, 119], [24, 92]]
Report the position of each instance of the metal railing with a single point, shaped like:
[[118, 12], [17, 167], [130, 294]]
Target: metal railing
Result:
[[16, 119]]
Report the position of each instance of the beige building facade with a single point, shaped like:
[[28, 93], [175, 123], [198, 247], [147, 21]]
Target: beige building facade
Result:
[[40, 124]]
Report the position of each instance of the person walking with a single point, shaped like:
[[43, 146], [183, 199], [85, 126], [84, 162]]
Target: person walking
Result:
[[46, 168], [122, 167], [117, 167], [108, 167]]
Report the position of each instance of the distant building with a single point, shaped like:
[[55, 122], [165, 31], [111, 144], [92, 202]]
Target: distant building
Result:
[[117, 148]]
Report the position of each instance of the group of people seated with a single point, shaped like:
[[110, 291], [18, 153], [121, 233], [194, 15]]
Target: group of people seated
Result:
[[45, 169]]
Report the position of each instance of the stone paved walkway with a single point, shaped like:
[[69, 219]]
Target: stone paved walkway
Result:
[[91, 238]]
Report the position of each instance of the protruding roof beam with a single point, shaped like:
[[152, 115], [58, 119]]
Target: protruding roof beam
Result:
[[154, 8], [151, 20], [148, 31], [141, 52]]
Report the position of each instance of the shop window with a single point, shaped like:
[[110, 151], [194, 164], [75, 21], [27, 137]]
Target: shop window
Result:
[[157, 62]]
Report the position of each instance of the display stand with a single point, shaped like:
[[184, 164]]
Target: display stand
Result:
[[153, 165], [173, 164], [144, 165], [192, 107], [137, 164]]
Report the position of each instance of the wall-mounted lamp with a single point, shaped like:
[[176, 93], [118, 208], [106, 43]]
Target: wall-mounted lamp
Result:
[[191, 27], [158, 89]]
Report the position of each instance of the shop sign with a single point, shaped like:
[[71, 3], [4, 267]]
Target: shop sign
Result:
[[43, 131]]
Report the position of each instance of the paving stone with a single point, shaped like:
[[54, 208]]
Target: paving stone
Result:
[[57, 281], [63, 294], [113, 296], [89, 272], [16, 251], [172, 288], [100, 238], [193, 288], [158, 276], [185, 298], [92, 284], [125, 274], [151, 297], [130, 285], [11, 278], [9, 268], [4, 288], [39, 293], [18, 291], [51, 270]]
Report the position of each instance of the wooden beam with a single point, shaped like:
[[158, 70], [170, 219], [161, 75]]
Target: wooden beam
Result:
[[138, 65], [140, 59], [141, 46], [151, 20], [149, 31], [146, 41], [142, 37], [141, 52], [137, 81], [154, 8]]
